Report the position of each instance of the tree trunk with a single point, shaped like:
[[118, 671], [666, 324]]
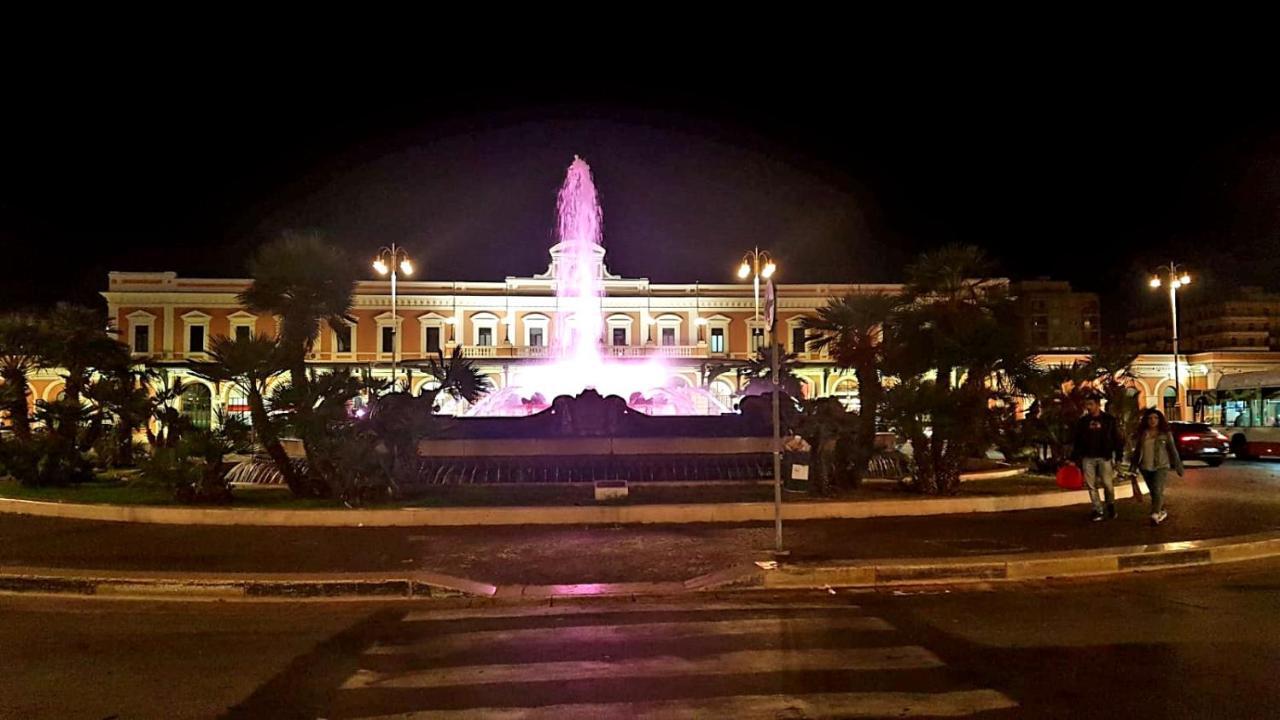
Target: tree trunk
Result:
[[16, 405], [271, 443], [864, 446]]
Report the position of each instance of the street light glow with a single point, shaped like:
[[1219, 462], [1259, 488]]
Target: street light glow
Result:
[[1155, 282], [768, 271], [406, 267], [1185, 279], [380, 266], [744, 271]]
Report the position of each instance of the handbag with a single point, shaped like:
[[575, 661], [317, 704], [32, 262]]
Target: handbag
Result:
[[1137, 489], [1069, 477]]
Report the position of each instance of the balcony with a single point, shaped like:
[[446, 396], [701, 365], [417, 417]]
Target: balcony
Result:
[[619, 351]]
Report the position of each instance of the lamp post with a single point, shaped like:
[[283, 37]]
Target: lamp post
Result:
[[393, 260], [1175, 277], [757, 265]]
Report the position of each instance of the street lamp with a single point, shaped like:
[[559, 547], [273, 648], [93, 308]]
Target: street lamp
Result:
[[757, 264], [1175, 277], [393, 260]]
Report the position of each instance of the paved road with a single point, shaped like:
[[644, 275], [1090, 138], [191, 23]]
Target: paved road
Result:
[[1188, 644], [1210, 502]]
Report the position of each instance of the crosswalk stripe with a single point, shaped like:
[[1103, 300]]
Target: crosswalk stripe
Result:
[[729, 663], [610, 609], [812, 707], [596, 633]]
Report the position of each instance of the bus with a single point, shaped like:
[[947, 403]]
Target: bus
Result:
[[1246, 408]]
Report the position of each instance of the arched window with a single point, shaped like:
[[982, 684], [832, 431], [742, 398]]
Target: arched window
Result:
[[197, 405], [722, 391], [846, 391]]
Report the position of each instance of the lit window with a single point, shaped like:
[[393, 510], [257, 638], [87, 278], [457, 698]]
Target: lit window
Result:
[[717, 340], [535, 337], [485, 336]]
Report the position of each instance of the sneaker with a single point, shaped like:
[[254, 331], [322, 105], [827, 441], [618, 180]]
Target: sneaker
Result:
[[1159, 517], [1111, 511], [1097, 516]]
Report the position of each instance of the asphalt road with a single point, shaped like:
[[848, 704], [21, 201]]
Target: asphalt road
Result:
[[1238, 498], [1189, 644]]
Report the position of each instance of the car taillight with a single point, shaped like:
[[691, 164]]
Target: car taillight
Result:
[[1218, 435], [1189, 438]]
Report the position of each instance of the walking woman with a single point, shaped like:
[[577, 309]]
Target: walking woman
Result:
[[1155, 454]]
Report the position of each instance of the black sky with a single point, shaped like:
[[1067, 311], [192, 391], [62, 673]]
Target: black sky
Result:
[[1086, 173]]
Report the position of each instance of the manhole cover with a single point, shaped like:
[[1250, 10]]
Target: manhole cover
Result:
[[980, 545]]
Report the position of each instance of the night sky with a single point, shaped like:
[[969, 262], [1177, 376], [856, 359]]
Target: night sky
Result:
[[1081, 174]]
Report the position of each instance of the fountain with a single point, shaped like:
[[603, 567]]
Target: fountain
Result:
[[578, 362]]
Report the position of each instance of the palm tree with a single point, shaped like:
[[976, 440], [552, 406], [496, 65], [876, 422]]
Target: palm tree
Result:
[[21, 346], [852, 330], [760, 370], [77, 342], [251, 364], [458, 376], [953, 344], [305, 281], [124, 392]]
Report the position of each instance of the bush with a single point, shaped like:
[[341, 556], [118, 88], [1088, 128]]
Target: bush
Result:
[[45, 459]]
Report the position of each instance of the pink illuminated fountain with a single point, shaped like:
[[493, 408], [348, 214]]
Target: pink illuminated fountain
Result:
[[579, 362]]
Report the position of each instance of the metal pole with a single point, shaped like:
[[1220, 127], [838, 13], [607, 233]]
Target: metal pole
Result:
[[394, 329], [777, 448], [1177, 385]]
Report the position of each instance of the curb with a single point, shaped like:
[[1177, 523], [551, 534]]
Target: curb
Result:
[[553, 515], [226, 586], [743, 577], [1010, 568]]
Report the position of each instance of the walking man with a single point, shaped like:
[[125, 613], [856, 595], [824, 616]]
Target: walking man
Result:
[[1096, 446]]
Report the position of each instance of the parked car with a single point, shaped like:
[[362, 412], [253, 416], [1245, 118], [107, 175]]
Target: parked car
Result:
[[1198, 441]]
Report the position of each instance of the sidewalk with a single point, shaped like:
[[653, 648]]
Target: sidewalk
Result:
[[1209, 503]]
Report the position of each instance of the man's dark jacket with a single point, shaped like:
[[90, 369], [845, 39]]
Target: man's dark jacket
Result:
[[1097, 437]]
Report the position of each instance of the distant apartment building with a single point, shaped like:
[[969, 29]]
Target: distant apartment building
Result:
[[1248, 320], [1054, 317]]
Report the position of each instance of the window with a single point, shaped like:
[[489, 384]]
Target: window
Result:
[[242, 325], [536, 337], [668, 336], [342, 339], [757, 338], [197, 331], [388, 339], [433, 339], [717, 340], [142, 330], [484, 336], [195, 339], [797, 340], [620, 337]]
